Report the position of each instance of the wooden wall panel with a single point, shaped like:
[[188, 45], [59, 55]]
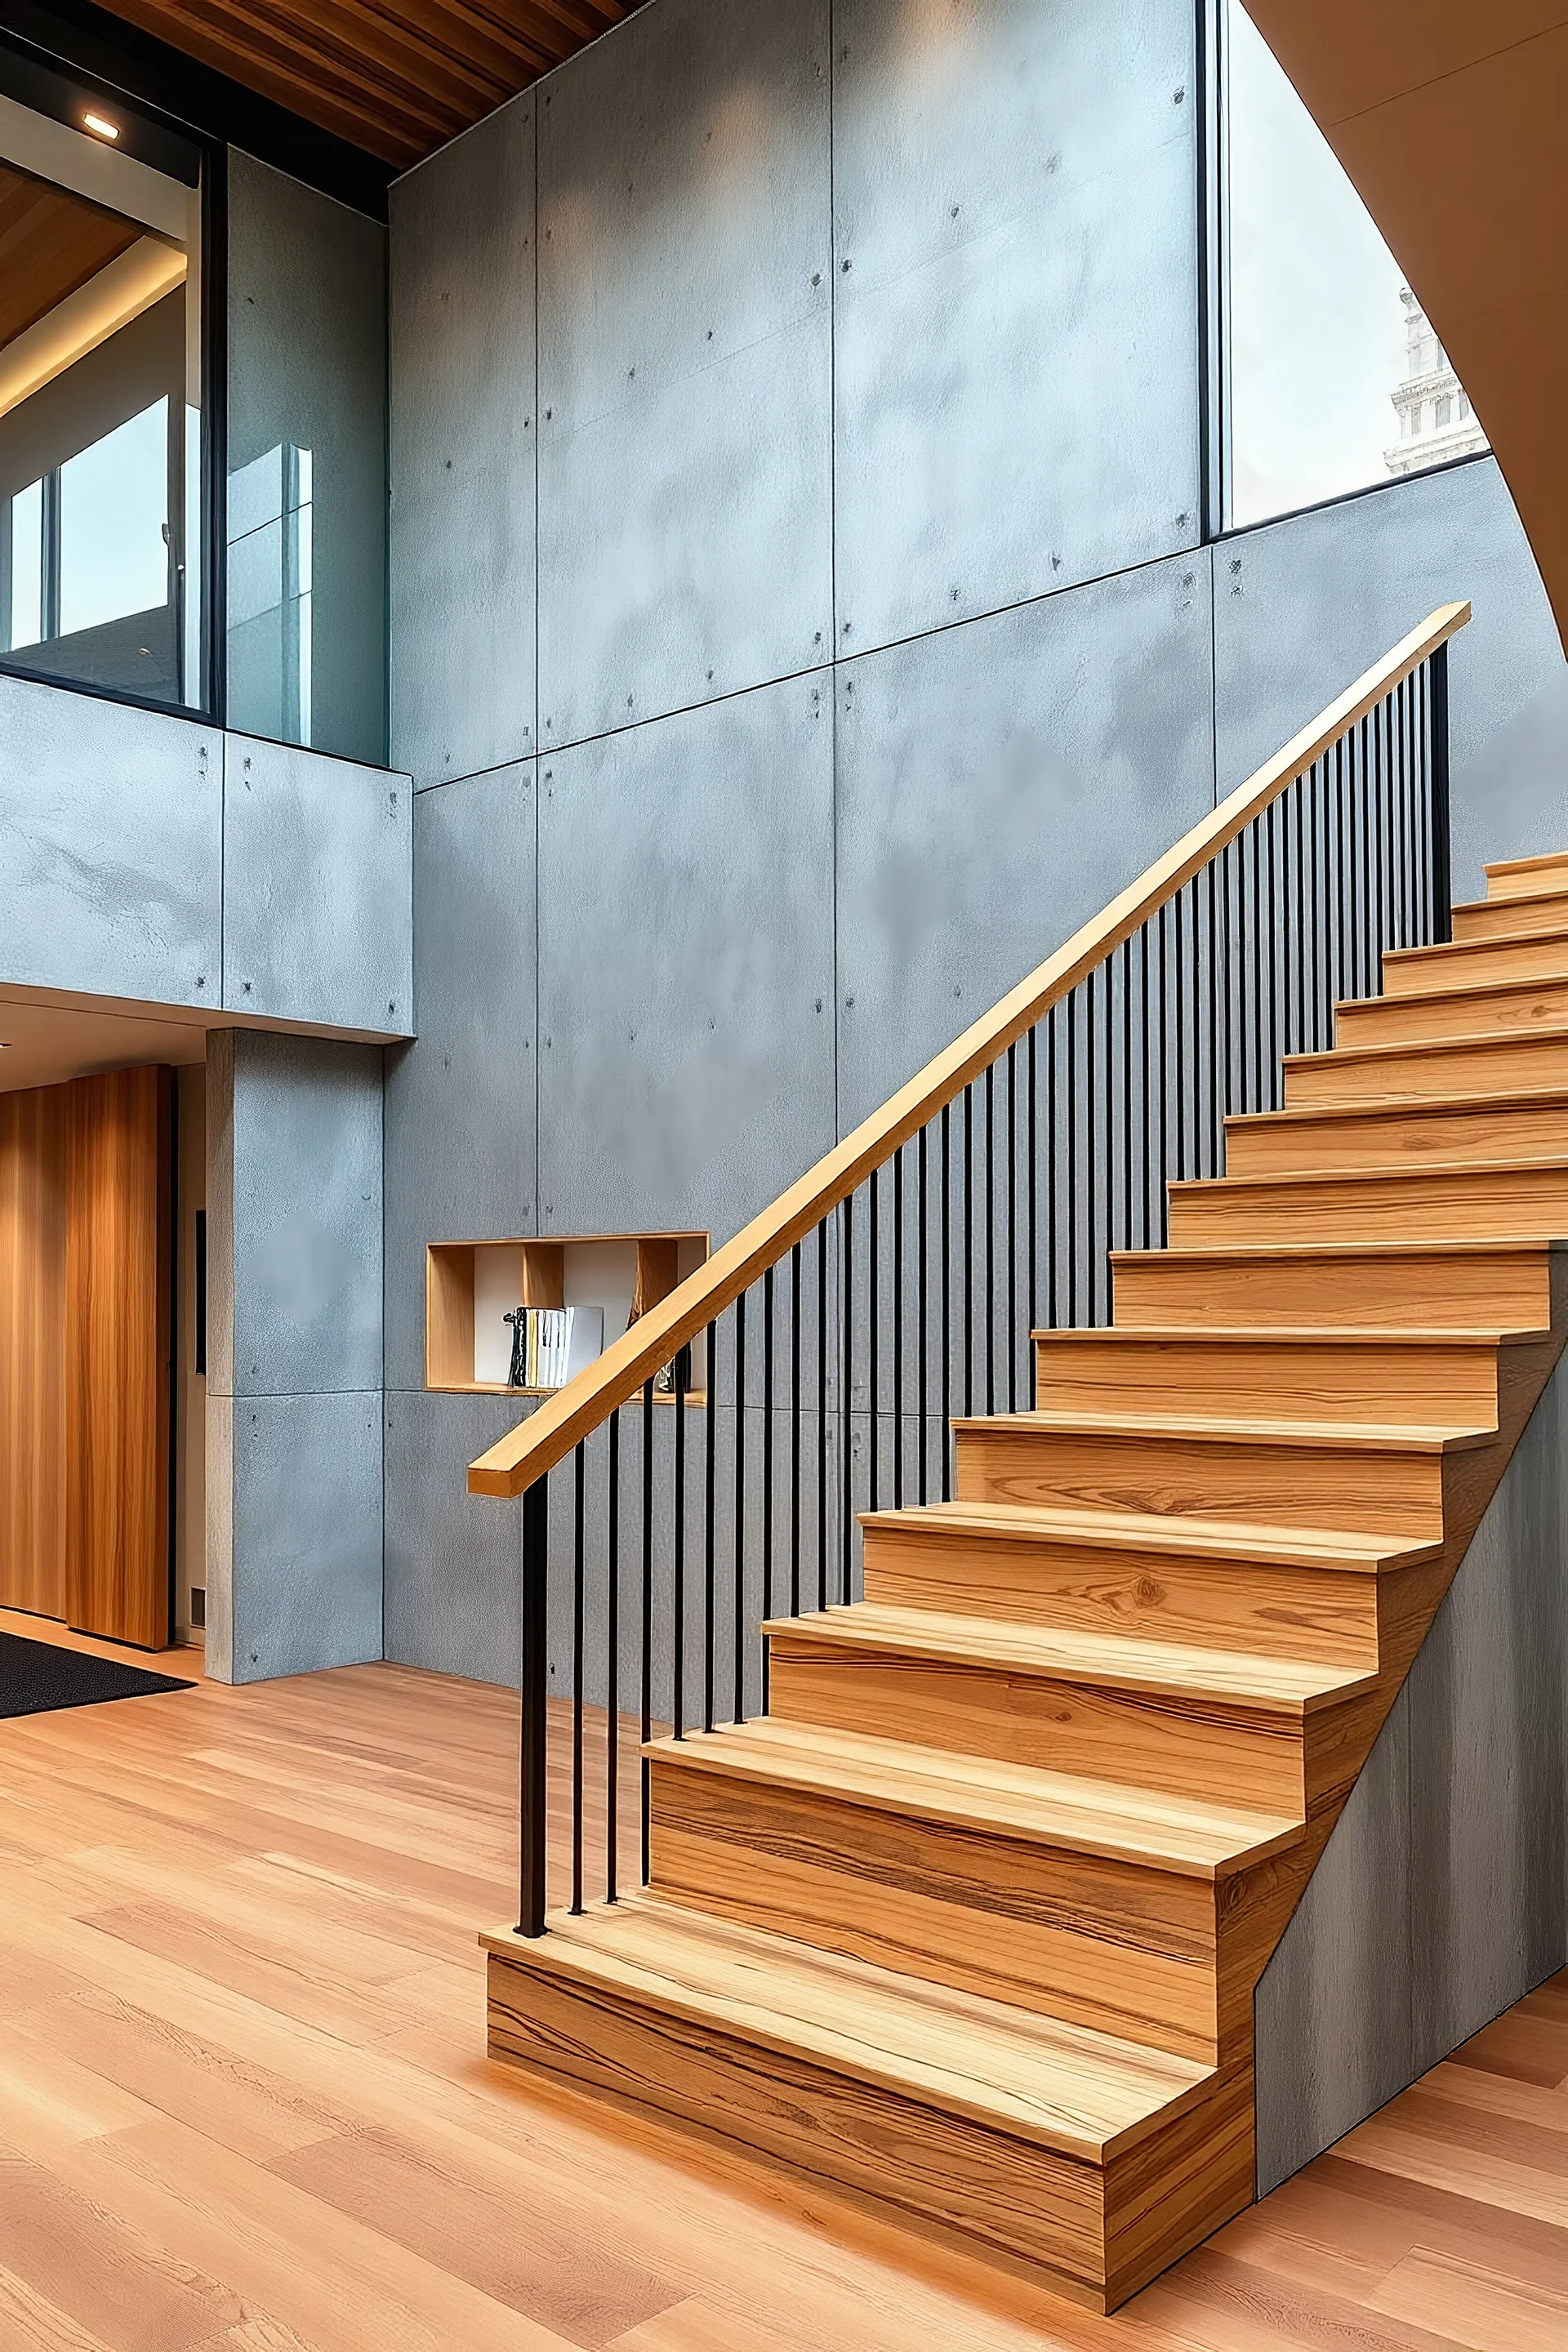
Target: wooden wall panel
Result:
[[118, 1288], [32, 1351]]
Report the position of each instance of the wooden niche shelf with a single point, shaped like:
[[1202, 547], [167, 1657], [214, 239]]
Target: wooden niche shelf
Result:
[[471, 1287]]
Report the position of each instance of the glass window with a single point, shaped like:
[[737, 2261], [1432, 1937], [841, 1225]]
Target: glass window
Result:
[[25, 584], [102, 448], [1332, 365], [114, 524]]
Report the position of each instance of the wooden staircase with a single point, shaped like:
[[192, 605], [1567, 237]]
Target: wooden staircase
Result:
[[970, 1921]]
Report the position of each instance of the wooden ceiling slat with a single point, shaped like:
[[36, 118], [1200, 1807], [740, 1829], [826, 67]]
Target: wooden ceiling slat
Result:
[[50, 243], [395, 78]]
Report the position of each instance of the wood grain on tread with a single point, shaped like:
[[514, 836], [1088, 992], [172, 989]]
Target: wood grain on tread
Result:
[[1505, 1062], [1479, 1132], [1430, 1287]]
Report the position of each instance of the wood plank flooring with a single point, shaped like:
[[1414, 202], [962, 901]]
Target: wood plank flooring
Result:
[[245, 2107]]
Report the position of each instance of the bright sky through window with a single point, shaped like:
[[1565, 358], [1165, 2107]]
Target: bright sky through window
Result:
[[114, 503]]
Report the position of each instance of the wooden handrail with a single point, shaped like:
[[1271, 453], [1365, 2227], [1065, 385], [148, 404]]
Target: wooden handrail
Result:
[[527, 1452]]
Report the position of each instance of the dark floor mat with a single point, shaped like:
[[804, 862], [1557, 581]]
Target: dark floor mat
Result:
[[38, 1676]]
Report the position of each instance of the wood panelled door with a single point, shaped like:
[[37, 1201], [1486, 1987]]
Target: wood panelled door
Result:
[[86, 1331]]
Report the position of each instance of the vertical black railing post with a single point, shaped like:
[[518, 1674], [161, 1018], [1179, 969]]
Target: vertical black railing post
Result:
[[535, 1705], [612, 1661], [1442, 879], [579, 1573], [647, 1613]]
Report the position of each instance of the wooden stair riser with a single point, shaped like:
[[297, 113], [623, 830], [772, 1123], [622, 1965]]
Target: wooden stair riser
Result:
[[1349, 1380], [1504, 1066], [1097, 2232], [1324, 1615], [1527, 1203], [1117, 1945], [1371, 1490], [1517, 1007], [1477, 1290], [1510, 918], [1528, 877], [1421, 970], [1200, 1748], [1303, 1143]]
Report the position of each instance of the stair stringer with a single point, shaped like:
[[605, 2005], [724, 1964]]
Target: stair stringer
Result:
[[1441, 1895]]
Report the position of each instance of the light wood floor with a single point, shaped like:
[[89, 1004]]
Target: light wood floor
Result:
[[244, 2103]]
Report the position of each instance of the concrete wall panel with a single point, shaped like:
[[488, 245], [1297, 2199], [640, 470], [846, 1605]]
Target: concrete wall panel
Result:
[[110, 848], [463, 424], [460, 1129], [1017, 303], [1303, 607], [317, 914], [686, 965], [307, 1512], [998, 784], [453, 1559], [307, 1216], [686, 539], [684, 374]]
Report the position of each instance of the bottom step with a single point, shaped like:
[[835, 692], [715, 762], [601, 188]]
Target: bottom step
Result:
[[1092, 2161]]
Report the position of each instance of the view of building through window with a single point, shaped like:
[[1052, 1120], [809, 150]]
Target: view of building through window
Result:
[[1335, 378]]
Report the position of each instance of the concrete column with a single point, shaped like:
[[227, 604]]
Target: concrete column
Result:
[[294, 1355]]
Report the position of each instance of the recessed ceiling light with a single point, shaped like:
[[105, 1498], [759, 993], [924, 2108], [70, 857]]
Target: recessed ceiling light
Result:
[[100, 126]]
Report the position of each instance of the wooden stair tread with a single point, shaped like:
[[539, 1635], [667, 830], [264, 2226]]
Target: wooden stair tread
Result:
[[1411, 1108], [1452, 954], [1192, 1838], [1265, 1252], [1287, 1686], [1231, 1429], [1085, 2093], [1283, 1335], [1514, 899], [1401, 1049], [1150, 1531], [1416, 1171], [1542, 861]]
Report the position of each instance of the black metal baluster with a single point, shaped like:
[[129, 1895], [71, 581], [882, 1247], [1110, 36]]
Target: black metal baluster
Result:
[[741, 1612], [647, 1613], [874, 1324], [1163, 1199], [990, 1237], [921, 1288], [969, 1249], [1181, 976], [794, 1430], [578, 1519], [1013, 1227], [767, 1465], [898, 1329], [1090, 1167], [613, 1657], [1146, 1091], [1442, 879], [1051, 1168], [822, 1414], [847, 1310], [534, 1690], [1255, 1076], [1072, 1159], [678, 1630], [709, 1526], [946, 1306], [1271, 933], [1217, 1074], [1126, 1241], [1031, 1083]]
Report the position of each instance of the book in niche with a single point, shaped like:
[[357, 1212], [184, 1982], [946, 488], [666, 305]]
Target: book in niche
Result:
[[550, 1345]]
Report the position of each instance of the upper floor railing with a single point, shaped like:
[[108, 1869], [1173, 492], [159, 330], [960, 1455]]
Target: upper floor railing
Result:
[[820, 1358]]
